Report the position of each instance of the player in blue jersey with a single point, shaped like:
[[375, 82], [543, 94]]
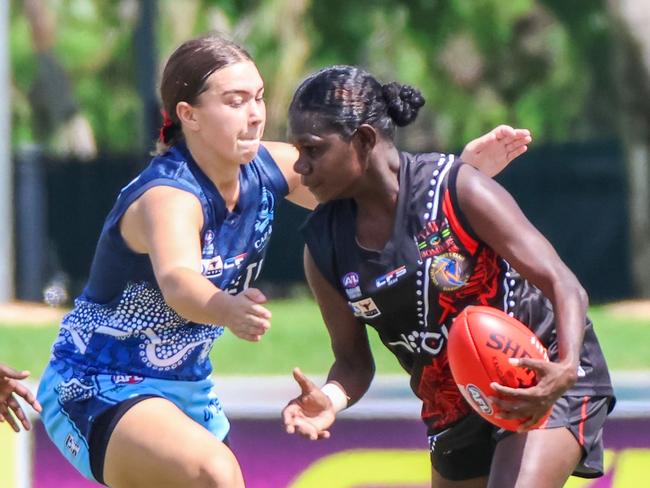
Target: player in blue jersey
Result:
[[402, 243], [10, 409], [127, 395]]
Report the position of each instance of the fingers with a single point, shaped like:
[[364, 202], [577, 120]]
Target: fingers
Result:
[[252, 328], [255, 295], [261, 312], [9, 372], [28, 396], [516, 153], [18, 412], [296, 423], [6, 416], [306, 429], [306, 385], [537, 365]]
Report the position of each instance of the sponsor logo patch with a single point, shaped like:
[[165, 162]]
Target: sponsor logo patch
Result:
[[234, 262], [365, 308], [208, 243], [72, 445], [264, 220], [126, 379], [213, 267], [390, 278], [350, 282]]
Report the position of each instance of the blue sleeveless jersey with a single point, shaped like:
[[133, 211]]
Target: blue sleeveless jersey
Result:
[[121, 323]]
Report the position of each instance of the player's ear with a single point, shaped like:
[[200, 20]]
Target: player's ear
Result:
[[364, 140], [186, 114]]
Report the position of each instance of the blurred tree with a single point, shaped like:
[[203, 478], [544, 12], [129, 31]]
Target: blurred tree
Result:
[[632, 72], [478, 63]]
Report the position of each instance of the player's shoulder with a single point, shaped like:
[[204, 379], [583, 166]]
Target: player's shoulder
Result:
[[327, 217]]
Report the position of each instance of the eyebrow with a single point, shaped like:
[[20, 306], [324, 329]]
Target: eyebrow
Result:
[[240, 92]]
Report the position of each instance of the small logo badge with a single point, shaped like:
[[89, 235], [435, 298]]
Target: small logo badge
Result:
[[390, 278], [350, 282], [365, 308], [449, 271], [126, 379], [72, 445], [479, 399]]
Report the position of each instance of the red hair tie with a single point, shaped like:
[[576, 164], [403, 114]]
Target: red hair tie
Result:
[[167, 123]]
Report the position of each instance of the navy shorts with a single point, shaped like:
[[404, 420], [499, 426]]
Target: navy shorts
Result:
[[465, 450]]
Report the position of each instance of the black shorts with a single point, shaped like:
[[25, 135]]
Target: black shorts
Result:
[[102, 429], [465, 450]]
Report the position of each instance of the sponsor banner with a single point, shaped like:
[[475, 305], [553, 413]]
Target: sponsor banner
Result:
[[362, 452]]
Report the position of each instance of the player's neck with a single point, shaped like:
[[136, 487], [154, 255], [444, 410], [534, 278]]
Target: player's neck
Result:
[[223, 174]]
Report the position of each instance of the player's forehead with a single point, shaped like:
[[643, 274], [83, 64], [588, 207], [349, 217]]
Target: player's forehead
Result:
[[241, 76], [308, 126]]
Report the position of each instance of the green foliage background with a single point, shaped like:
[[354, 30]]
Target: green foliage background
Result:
[[536, 64]]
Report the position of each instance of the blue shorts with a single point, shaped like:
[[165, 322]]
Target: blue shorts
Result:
[[72, 401]]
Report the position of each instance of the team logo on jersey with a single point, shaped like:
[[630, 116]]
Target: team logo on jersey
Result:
[[434, 239], [126, 379], [264, 220], [390, 278], [208, 243], [213, 267], [365, 308], [449, 271], [350, 282]]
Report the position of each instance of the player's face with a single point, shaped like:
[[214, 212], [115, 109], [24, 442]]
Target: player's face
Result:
[[328, 164], [230, 114]]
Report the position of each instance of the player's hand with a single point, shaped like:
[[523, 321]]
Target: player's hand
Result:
[[493, 151], [553, 379], [247, 318], [309, 414], [9, 406]]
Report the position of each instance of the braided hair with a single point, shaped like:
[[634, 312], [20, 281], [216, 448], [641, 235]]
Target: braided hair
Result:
[[345, 97]]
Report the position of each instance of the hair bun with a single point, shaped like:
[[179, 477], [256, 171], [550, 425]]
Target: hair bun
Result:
[[403, 102]]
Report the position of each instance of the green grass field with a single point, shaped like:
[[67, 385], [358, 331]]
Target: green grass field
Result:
[[298, 338]]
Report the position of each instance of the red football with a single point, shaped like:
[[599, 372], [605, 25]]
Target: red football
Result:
[[481, 341]]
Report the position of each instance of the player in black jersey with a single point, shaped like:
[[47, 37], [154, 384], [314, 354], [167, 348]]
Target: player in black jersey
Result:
[[403, 242]]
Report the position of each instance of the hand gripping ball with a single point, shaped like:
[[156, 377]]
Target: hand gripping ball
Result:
[[481, 341]]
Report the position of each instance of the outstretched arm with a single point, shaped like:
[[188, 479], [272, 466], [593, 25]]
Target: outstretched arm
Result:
[[9, 406], [497, 220], [314, 410], [490, 153], [493, 151]]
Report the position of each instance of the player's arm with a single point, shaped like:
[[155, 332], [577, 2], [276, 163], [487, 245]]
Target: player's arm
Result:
[[285, 155], [493, 151], [497, 220], [165, 223], [490, 153], [311, 413]]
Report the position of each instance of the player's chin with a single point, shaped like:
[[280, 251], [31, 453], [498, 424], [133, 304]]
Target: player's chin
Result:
[[247, 151]]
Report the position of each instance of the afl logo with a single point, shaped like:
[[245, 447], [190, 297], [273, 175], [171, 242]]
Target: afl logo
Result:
[[449, 271], [350, 280], [476, 395]]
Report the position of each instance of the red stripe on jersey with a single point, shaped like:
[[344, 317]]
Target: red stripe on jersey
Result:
[[470, 244], [583, 417]]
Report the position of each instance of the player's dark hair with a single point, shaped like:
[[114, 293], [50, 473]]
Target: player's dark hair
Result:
[[185, 75], [346, 97]]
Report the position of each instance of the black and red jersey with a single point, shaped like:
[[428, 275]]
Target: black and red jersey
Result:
[[431, 268]]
